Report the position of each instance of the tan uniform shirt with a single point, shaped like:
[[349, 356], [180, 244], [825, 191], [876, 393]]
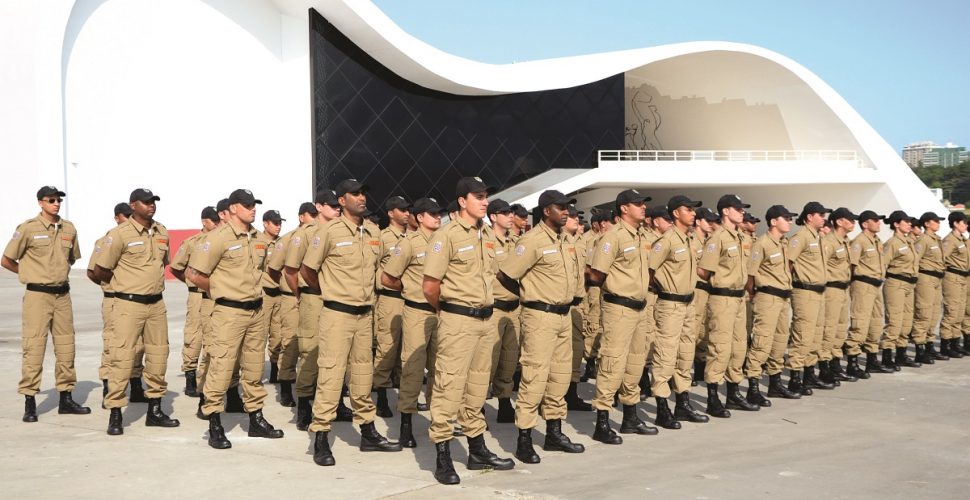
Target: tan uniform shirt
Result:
[[769, 264], [233, 258], [44, 250], [576, 247], [184, 253], [503, 248], [673, 263], [407, 264], [277, 260], [805, 251], [462, 257], [865, 254], [346, 257], [836, 251], [929, 252], [901, 257], [623, 256], [389, 241], [137, 256], [747, 241], [299, 242], [955, 253], [92, 262], [543, 266], [724, 257], [270, 246]]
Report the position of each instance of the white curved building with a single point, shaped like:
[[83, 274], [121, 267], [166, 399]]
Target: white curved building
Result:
[[194, 98]]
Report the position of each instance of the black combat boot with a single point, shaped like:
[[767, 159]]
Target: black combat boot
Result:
[[602, 432], [286, 393], [590, 372], [406, 437], [191, 387], [735, 401], [953, 348], [321, 449], [383, 409], [234, 403], [903, 359], [115, 424], [344, 413], [480, 457], [524, 450], [966, 344], [826, 375], [30, 409], [274, 373], [217, 435], [777, 389], [444, 470], [104, 392], [506, 412], [714, 406], [888, 361], [137, 394], [304, 413], [645, 389], [923, 356], [812, 382], [557, 441], [754, 395], [835, 366], [698, 376], [852, 368], [574, 402], [371, 440], [156, 417], [665, 418], [260, 428], [934, 354], [874, 366], [632, 424], [795, 383], [684, 411], [67, 406]]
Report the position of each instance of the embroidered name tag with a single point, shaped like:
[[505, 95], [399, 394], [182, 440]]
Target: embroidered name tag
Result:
[[374, 243], [549, 251], [839, 250], [234, 247], [629, 249], [813, 244], [343, 244], [776, 254], [735, 247], [903, 249], [934, 247], [962, 245], [679, 250], [420, 255], [260, 247], [499, 252], [41, 236], [489, 245], [465, 249], [870, 249], [136, 243]]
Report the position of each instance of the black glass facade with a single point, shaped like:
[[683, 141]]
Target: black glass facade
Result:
[[401, 138]]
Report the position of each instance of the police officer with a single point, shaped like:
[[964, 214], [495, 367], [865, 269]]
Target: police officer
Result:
[[390, 306], [342, 262], [902, 268], [228, 267], [673, 271], [272, 296], [520, 221], [233, 401], [542, 272], [956, 258], [405, 271], [459, 275], [620, 265], [928, 296], [41, 252], [835, 247], [808, 306], [133, 260], [192, 336], [602, 222], [122, 211], [769, 285], [657, 223], [576, 247], [865, 294], [505, 356], [705, 222]]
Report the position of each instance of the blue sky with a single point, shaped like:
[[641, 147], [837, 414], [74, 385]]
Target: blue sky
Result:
[[903, 65]]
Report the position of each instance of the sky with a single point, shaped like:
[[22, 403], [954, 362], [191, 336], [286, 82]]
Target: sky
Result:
[[902, 65]]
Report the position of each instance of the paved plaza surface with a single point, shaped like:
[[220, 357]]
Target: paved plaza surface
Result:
[[905, 435]]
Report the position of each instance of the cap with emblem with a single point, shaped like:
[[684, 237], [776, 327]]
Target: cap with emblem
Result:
[[897, 216], [631, 196], [210, 213], [706, 214], [46, 191], [657, 212], [870, 215], [814, 207], [928, 216], [730, 201], [957, 217], [498, 206], [243, 197], [776, 211], [143, 195], [273, 216], [750, 218], [123, 209], [429, 205], [397, 202], [471, 185], [553, 197], [350, 186], [223, 205], [326, 197], [575, 212], [308, 208], [842, 213], [681, 201], [519, 211]]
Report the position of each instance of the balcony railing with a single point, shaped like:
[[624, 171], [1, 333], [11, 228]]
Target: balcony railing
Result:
[[803, 155]]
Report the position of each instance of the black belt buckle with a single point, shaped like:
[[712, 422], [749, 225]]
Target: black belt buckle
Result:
[[271, 292], [390, 293], [309, 291], [559, 309], [346, 308], [250, 305], [703, 285], [673, 297], [473, 312], [506, 305], [422, 306], [841, 285], [51, 289], [636, 305], [140, 299], [808, 286]]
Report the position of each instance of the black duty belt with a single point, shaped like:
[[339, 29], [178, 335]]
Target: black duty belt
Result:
[[841, 285], [390, 293], [726, 292], [109, 295], [636, 305], [251, 305], [271, 292], [288, 294], [141, 299], [958, 272], [870, 281], [651, 289], [577, 301], [309, 291], [194, 289], [703, 285], [559, 309], [807, 286], [480, 313], [52, 289], [777, 292], [346, 308], [935, 274], [902, 277], [506, 305], [423, 306], [673, 297]]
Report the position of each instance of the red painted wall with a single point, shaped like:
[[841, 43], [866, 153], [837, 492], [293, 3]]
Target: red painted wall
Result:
[[175, 239]]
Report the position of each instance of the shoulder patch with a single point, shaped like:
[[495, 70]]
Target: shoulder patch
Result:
[[756, 255], [205, 247], [296, 241], [606, 247], [16, 234], [108, 240], [520, 250], [316, 241], [436, 248], [279, 245], [396, 251], [711, 248], [794, 242], [658, 247]]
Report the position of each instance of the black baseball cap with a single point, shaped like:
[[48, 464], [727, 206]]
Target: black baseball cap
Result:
[[658, 211], [498, 206], [210, 213], [553, 197], [631, 196], [397, 202], [957, 217], [706, 214], [453, 206], [243, 197], [751, 219], [896, 216], [326, 197], [308, 208], [575, 212], [46, 191], [928, 216], [776, 211], [471, 185], [142, 194], [350, 186], [842, 213], [273, 216], [519, 211], [870, 215], [730, 200], [123, 209], [429, 205], [814, 207], [223, 205], [681, 201]]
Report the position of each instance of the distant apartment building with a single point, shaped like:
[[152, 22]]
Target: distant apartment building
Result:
[[930, 154]]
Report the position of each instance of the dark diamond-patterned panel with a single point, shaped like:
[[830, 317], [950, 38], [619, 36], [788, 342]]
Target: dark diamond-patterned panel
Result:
[[401, 138]]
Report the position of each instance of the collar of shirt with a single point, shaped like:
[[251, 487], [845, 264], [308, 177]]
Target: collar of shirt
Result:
[[354, 228], [468, 227], [735, 233], [626, 226], [397, 234], [683, 235], [553, 236], [47, 224], [240, 231], [140, 229], [874, 239]]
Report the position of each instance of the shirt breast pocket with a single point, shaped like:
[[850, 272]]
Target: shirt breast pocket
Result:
[[680, 254]]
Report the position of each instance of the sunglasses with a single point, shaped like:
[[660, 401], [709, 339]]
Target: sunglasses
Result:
[[53, 201]]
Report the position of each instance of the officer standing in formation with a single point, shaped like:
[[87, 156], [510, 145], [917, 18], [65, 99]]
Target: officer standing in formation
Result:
[[272, 294], [390, 307], [505, 356]]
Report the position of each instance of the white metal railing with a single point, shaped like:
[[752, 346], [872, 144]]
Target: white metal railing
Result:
[[704, 155]]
